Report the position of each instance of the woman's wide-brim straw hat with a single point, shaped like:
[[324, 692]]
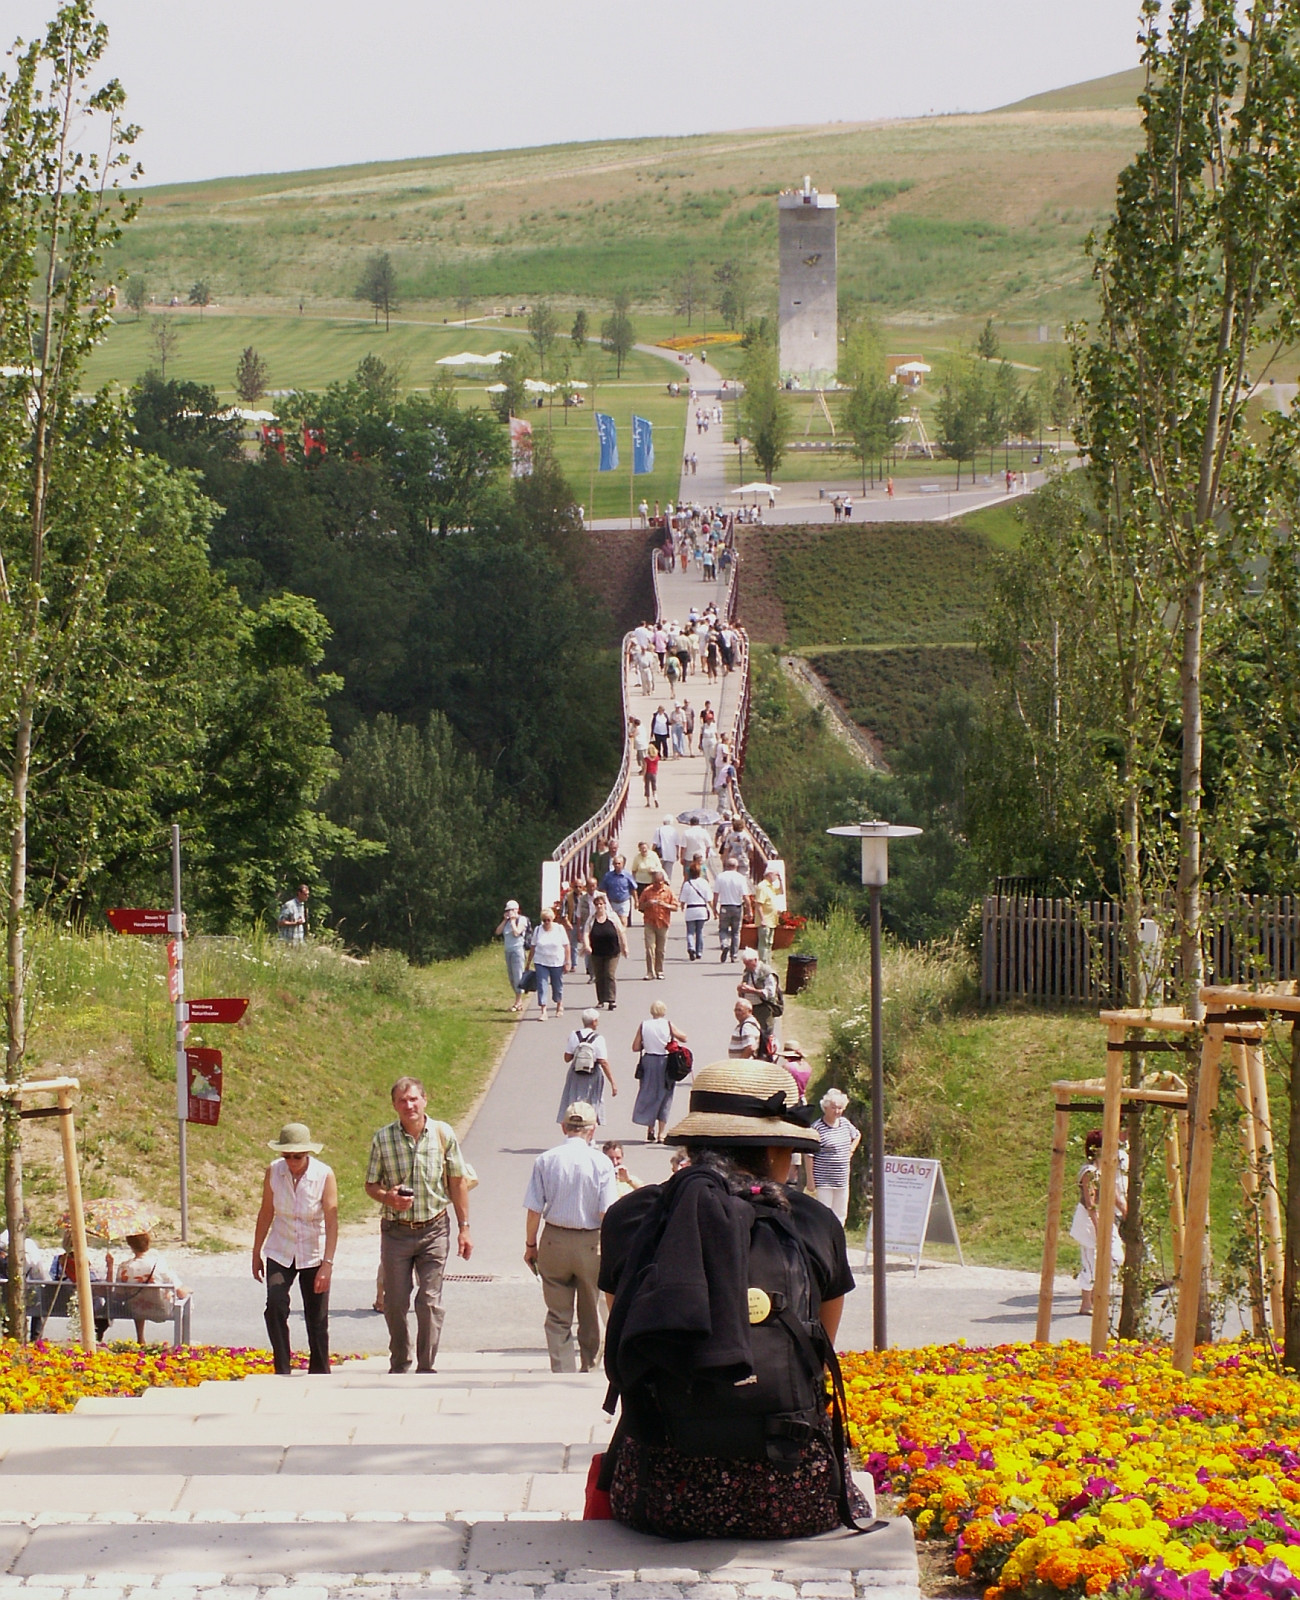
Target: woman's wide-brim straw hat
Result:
[[746, 1103], [295, 1140]]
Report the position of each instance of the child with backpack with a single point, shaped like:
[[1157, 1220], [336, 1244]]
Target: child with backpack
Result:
[[728, 1287]]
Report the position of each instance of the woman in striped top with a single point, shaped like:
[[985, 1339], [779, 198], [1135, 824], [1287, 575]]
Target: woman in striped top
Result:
[[830, 1166]]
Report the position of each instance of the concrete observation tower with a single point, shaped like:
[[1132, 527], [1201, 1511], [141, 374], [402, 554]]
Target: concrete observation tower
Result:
[[808, 312]]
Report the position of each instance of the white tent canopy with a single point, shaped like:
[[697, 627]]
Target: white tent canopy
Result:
[[496, 388], [536, 386], [469, 358], [913, 366]]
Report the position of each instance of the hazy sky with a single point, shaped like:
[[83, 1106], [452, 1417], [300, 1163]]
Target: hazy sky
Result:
[[237, 86]]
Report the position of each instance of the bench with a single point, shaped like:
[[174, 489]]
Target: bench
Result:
[[928, 488], [112, 1300]]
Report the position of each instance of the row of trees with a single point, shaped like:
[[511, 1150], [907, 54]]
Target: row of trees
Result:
[[366, 667], [728, 288]]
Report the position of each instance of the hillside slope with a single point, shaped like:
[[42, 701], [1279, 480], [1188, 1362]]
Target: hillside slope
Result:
[[948, 215], [1117, 89]]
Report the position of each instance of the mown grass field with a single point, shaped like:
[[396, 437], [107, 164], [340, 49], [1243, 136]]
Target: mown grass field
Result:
[[322, 1042], [311, 351], [954, 215], [892, 692], [877, 583]]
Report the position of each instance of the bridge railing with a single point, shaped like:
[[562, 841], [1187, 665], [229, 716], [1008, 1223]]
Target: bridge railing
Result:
[[575, 852]]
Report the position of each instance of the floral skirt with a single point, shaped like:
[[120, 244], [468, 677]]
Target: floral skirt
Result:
[[658, 1490]]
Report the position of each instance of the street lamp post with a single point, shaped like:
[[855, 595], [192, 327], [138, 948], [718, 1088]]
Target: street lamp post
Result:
[[875, 838]]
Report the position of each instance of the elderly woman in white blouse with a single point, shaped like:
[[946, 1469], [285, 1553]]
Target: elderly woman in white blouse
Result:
[[298, 1228]]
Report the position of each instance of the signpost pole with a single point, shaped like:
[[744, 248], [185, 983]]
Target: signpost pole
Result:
[[879, 1336], [177, 931]]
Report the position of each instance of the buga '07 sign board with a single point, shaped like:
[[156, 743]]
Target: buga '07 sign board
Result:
[[917, 1209]]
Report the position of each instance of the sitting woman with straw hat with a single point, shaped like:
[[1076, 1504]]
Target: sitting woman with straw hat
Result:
[[726, 1288], [298, 1225]]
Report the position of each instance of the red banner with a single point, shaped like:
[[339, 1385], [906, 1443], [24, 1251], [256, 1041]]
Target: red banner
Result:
[[128, 920], [274, 438], [313, 439], [215, 1010], [203, 1071]]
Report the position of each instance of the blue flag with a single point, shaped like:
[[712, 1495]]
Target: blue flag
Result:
[[608, 435], [643, 445]]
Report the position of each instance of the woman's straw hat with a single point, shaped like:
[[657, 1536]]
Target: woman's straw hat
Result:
[[746, 1103], [295, 1140]]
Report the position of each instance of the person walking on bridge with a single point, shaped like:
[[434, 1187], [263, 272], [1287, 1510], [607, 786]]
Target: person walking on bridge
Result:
[[657, 904], [605, 941]]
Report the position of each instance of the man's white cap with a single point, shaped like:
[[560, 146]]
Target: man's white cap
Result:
[[512, 905], [580, 1115]]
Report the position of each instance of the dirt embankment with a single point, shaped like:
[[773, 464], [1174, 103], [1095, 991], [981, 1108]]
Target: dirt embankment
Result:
[[761, 613], [618, 574]]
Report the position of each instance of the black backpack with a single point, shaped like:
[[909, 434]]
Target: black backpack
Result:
[[796, 1392], [777, 1413]]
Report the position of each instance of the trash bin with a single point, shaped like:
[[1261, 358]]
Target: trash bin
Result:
[[799, 973]]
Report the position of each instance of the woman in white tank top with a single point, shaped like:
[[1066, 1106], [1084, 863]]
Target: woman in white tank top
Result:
[[297, 1230]]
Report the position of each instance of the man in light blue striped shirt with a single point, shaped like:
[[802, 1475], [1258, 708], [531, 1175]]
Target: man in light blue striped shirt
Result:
[[571, 1189]]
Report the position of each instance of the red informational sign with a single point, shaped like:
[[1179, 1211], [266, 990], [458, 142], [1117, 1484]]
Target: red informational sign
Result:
[[126, 920], [215, 1010], [203, 1071]]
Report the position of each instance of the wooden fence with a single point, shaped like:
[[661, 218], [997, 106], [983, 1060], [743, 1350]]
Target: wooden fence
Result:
[[1054, 952]]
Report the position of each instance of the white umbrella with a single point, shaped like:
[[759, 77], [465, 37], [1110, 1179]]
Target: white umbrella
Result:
[[756, 488]]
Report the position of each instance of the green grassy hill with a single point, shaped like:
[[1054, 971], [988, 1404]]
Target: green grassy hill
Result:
[[1116, 90], [941, 216], [321, 1042]]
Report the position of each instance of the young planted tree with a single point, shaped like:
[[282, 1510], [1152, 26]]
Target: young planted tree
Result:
[[137, 294], [618, 333], [578, 332], [378, 285], [960, 416], [250, 376], [688, 291], [63, 466], [543, 328], [165, 337], [201, 296], [731, 287], [765, 413], [1198, 284]]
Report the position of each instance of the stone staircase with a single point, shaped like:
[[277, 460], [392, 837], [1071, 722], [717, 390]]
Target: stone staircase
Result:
[[469, 1481]]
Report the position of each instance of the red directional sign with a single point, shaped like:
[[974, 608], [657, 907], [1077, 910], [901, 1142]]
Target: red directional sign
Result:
[[127, 920], [203, 1070], [215, 1010]]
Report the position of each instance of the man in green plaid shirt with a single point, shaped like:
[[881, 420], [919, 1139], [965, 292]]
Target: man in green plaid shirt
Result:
[[416, 1172]]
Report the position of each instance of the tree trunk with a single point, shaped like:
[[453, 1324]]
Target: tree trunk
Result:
[[1291, 1262], [1130, 1311], [1189, 820], [16, 1024]]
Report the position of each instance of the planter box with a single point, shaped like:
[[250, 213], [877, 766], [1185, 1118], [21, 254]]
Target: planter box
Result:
[[782, 938]]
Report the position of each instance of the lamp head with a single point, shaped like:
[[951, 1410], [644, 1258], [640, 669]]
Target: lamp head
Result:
[[875, 837]]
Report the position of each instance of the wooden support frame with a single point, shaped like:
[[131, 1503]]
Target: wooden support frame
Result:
[[1113, 1095], [63, 1090], [1233, 1015]]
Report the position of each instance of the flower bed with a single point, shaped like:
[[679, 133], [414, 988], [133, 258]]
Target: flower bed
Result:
[[1057, 1473], [694, 341], [53, 1377]]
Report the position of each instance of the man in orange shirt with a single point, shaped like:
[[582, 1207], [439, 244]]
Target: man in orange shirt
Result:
[[657, 902]]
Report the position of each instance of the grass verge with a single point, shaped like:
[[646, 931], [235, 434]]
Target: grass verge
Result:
[[321, 1042]]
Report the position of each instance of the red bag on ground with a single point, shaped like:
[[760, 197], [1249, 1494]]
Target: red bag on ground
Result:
[[596, 1506]]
